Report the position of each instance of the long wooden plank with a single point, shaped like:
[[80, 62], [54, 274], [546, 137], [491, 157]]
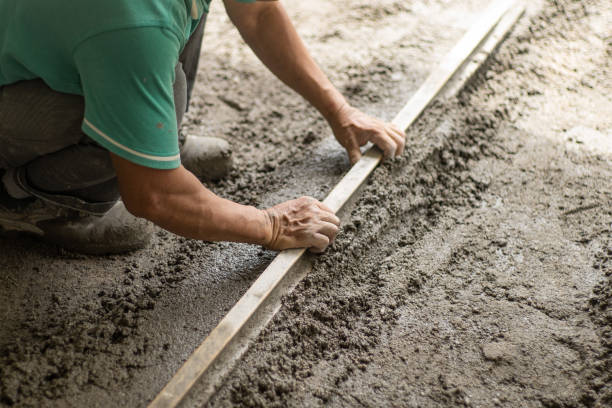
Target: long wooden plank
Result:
[[488, 46], [228, 330]]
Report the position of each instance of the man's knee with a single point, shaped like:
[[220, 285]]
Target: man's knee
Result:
[[35, 120], [84, 170]]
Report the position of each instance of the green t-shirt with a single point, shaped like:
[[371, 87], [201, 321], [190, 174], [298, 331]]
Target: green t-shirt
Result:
[[119, 54]]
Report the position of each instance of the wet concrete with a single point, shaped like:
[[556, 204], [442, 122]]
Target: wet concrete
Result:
[[451, 221], [477, 270]]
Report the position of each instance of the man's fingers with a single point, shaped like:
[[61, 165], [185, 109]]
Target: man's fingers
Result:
[[397, 130], [304, 222], [399, 137], [318, 243], [328, 214], [354, 155], [357, 128], [391, 141], [329, 230], [351, 145], [331, 218], [385, 142]]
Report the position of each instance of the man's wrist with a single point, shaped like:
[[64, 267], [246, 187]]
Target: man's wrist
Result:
[[333, 106], [266, 228]]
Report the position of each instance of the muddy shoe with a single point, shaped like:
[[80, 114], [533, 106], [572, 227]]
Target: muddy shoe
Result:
[[116, 231], [23, 215], [209, 158]]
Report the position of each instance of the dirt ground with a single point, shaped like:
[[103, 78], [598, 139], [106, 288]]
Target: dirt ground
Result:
[[475, 270]]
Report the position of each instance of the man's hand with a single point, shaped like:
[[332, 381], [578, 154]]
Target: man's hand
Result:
[[304, 222], [267, 29], [354, 129]]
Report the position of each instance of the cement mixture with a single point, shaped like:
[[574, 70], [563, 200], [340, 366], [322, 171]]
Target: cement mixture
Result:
[[479, 273], [474, 271]]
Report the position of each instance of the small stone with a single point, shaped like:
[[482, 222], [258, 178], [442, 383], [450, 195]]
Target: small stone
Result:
[[502, 243], [497, 350]]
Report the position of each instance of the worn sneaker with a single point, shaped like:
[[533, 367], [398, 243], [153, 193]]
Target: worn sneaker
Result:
[[115, 231], [208, 158], [23, 215]]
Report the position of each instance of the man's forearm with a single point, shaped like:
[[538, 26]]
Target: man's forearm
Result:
[[275, 41], [177, 201], [205, 216]]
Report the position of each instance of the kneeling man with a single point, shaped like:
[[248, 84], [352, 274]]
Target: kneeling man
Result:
[[92, 95]]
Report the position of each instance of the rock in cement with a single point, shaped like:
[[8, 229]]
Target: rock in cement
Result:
[[209, 158], [497, 351]]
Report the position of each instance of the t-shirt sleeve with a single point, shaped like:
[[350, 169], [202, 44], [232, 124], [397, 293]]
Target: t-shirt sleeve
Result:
[[127, 78]]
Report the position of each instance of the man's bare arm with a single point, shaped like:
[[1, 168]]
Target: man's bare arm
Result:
[[177, 201], [266, 28]]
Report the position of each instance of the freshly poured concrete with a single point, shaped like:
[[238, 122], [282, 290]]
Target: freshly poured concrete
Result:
[[460, 276]]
